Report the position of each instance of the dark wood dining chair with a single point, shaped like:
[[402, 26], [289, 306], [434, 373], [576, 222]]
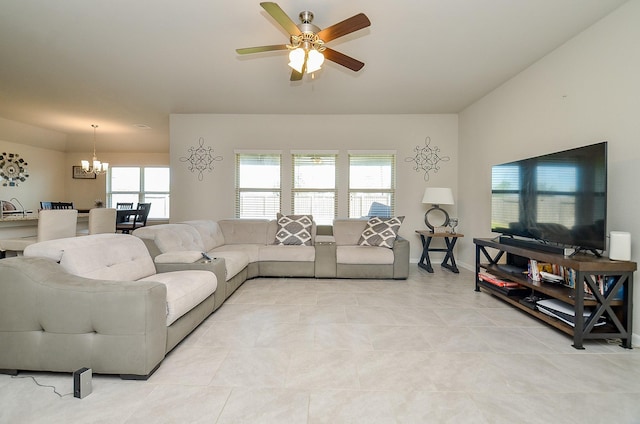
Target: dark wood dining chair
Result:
[[124, 205], [134, 218], [61, 205]]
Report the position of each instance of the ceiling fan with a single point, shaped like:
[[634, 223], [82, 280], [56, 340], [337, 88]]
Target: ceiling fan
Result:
[[307, 49]]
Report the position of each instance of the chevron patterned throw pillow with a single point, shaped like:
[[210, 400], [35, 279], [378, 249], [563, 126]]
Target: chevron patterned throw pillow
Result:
[[294, 230], [381, 231]]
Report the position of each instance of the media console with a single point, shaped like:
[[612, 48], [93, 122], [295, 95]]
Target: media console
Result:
[[614, 305]]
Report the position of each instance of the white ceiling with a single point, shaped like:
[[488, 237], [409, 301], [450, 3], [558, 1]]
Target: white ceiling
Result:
[[67, 64]]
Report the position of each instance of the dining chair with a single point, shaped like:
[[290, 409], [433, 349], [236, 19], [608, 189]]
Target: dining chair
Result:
[[52, 224], [102, 220], [135, 219], [61, 205], [124, 205], [55, 224]]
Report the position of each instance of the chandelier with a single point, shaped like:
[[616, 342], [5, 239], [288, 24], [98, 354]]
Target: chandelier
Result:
[[95, 166]]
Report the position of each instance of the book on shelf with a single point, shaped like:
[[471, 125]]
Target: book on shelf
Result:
[[605, 284], [490, 278]]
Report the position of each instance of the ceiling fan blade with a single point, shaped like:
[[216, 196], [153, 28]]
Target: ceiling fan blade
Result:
[[260, 49], [345, 27], [295, 75], [282, 18], [342, 59]]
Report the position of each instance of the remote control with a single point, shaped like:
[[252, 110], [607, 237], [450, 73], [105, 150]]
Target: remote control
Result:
[[207, 257]]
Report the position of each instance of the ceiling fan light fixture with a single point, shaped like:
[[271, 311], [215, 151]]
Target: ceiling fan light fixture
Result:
[[296, 59], [314, 61], [307, 41]]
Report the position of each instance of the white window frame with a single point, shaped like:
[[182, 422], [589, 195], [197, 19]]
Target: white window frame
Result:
[[305, 157], [277, 190], [388, 191], [142, 195]]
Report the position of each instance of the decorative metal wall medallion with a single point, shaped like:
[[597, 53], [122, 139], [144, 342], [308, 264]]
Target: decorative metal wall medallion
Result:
[[13, 169], [200, 159], [427, 158]]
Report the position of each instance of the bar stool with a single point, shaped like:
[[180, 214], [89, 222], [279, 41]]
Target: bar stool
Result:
[[102, 220], [52, 224]]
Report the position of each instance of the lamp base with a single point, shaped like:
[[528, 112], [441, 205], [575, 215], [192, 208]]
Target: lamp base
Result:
[[436, 210]]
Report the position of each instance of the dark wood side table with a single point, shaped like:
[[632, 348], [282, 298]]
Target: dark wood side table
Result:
[[450, 239]]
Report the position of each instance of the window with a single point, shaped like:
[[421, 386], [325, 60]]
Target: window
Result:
[[372, 183], [505, 195], [258, 190], [314, 186], [134, 184], [556, 188]]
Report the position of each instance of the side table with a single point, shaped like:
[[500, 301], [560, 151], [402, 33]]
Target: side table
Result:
[[450, 239]]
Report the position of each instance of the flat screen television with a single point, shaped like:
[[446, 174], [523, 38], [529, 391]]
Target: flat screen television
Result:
[[557, 199]]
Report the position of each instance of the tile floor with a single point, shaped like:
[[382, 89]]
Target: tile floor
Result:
[[425, 350]]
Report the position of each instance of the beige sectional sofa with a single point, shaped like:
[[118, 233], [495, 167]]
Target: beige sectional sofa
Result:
[[118, 303]]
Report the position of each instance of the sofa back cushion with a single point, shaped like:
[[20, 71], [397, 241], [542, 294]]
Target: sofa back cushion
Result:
[[172, 237], [210, 233], [245, 231], [119, 257], [347, 232]]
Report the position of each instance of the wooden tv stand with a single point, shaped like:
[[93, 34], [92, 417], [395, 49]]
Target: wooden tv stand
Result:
[[618, 311]]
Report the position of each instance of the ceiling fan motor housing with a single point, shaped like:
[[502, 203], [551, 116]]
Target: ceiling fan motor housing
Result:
[[308, 39]]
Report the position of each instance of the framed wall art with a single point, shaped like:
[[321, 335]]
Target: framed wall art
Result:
[[79, 174]]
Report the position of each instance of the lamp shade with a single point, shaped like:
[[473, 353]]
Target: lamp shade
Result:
[[296, 59], [438, 196], [315, 60]]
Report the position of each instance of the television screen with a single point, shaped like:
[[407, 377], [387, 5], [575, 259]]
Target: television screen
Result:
[[556, 198]]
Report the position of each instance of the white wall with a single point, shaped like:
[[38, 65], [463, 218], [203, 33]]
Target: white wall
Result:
[[214, 196], [46, 170], [586, 91]]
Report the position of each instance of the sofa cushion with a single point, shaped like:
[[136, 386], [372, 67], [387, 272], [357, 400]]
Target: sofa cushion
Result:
[[210, 233], [172, 237], [245, 231], [180, 257], [119, 257], [347, 231], [294, 230], [234, 260], [278, 253], [381, 231], [252, 251], [364, 255], [185, 290]]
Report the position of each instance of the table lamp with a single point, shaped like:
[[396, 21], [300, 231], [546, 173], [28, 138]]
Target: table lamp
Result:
[[437, 196]]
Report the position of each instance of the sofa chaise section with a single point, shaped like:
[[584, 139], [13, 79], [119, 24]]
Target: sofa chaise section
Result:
[[96, 301]]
